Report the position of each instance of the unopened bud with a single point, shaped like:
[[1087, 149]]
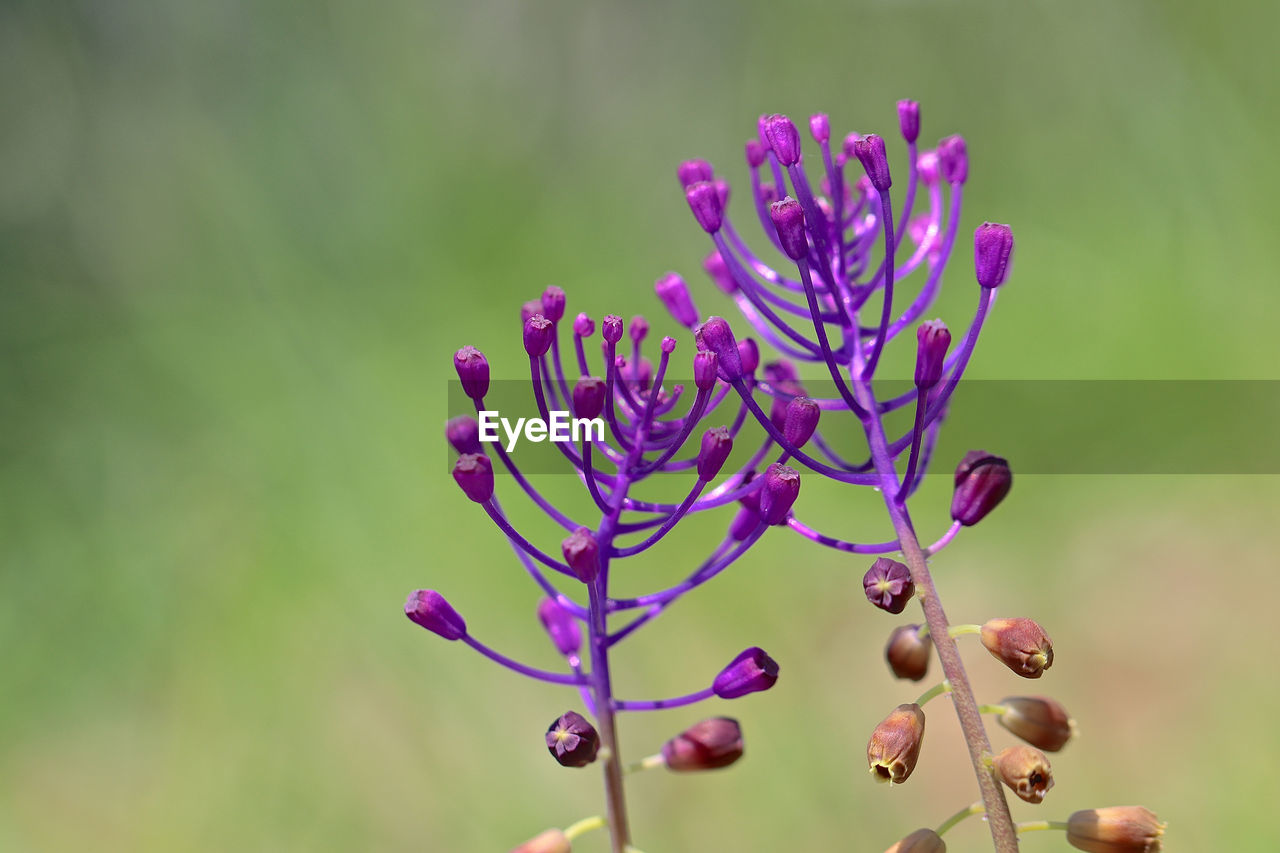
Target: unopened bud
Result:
[[588, 397], [953, 160], [704, 201], [820, 127], [992, 253], [705, 367], [750, 672], [748, 355], [708, 745], [781, 488], [1118, 829], [529, 309], [783, 138], [932, 339], [427, 608], [473, 371], [538, 333], [1021, 644], [560, 625], [888, 585], [981, 481], [788, 220], [920, 841], [894, 747], [674, 294], [744, 523], [572, 741], [1026, 771], [870, 152], [611, 328], [692, 171], [909, 120], [907, 652], [582, 553], [718, 270], [551, 841], [755, 153], [584, 326], [473, 472], [639, 328], [717, 444], [463, 434], [801, 421], [553, 303], [1039, 720], [717, 337]]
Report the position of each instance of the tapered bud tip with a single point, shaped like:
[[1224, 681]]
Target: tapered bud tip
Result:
[[953, 160], [704, 201], [781, 488], [427, 608], [463, 434], [981, 483], [674, 294], [1026, 771], [473, 371], [907, 652], [708, 745], [920, 841], [717, 444], [582, 553], [871, 154], [783, 138], [909, 120], [584, 326], [801, 421], [551, 841], [1039, 720], [473, 472], [788, 221], [1021, 644], [572, 741], [820, 127], [888, 585], [561, 627], [992, 253], [588, 397], [692, 171], [749, 355], [755, 153], [611, 328], [717, 337], [932, 340], [553, 303], [1118, 829], [538, 332], [750, 672], [894, 747], [705, 366]]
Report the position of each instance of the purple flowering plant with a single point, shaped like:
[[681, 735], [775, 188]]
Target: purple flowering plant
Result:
[[838, 304]]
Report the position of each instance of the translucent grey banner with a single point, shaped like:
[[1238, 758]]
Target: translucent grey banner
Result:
[[1040, 426]]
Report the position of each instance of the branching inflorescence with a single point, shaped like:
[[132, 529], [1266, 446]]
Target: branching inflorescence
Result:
[[852, 251]]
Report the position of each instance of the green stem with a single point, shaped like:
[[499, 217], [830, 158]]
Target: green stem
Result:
[[1037, 825], [960, 630], [646, 763], [582, 827], [936, 690], [999, 710], [967, 811]]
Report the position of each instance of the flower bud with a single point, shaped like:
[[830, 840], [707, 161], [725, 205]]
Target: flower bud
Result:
[[427, 608], [1026, 771], [473, 371], [718, 270], [611, 328], [783, 138], [755, 153], [473, 472], [781, 488], [788, 220], [909, 120], [639, 328], [751, 500], [953, 160], [705, 367], [801, 420], [704, 201], [992, 253], [1118, 829], [560, 625], [870, 152], [781, 371], [908, 652], [717, 444], [529, 309], [717, 337], [538, 332], [692, 171], [894, 747], [928, 167], [708, 745], [920, 841], [888, 585], [582, 553], [1039, 720], [588, 397], [932, 340], [750, 672], [1021, 644], [982, 481], [463, 434], [572, 741], [744, 523], [553, 303], [551, 841], [820, 127], [584, 326], [748, 355], [674, 294]]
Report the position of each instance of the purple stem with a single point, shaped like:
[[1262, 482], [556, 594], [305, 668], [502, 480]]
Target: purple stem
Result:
[[529, 548], [839, 544], [886, 208], [659, 704], [531, 672]]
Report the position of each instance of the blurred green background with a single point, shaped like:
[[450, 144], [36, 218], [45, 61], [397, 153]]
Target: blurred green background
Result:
[[239, 241]]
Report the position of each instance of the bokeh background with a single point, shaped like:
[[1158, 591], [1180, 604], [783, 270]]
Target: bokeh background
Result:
[[239, 241]]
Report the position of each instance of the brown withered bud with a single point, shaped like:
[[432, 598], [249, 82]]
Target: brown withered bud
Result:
[[551, 841], [1021, 644], [1118, 829], [1039, 720], [707, 745], [908, 653], [920, 841], [894, 747], [1026, 771]]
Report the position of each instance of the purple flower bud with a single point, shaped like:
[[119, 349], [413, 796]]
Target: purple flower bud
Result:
[[870, 152], [588, 397], [909, 120], [932, 340], [788, 221], [706, 745], [718, 270], [582, 553], [427, 608], [674, 294], [781, 488], [888, 585], [927, 166], [744, 523], [717, 337], [953, 160], [992, 253], [848, 146], [538, 332], [705, 366], [801, 420], [667, 344], [639, 328], [781, 371], [755, 153], [529, 309], [704, 201], [820, 127], [692, 171], [749, 355], [751, 500], [572, 741], [560, 625], [463, 434], [473, 472], [750, 672], [473, 371], [783, 138], [553, 303], [611, 328], [717, 444], [722, 190], [584, 326], [982, 481]]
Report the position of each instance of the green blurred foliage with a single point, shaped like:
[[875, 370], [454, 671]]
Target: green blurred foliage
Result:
[[238, 242]]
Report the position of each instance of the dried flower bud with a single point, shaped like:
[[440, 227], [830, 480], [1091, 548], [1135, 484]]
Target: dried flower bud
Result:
[[748, 355], [744, 523], [920, 841], [553, 303], [584, 326], [788, 220], [473, 472], [894, 747], [783, 138], [473, 371], [708, 745], [1039, 720], [992, 253], [582, 553], [427, 608], [870, 152], [908, 652], [750, 672], [982, 481], [588, 397], [718, 270], [1021, 644], [717, 337], [572, 741], [674, 294], [717, 444], [538, 333], [888, 585], [932, 340], [705, 366], [781, 488], [1026, 771], [692, 171], [801, 420], [611, 328], [953, 160], [1118, 829], [704, 201], [560, 625], [909, 120], [463, 434]]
